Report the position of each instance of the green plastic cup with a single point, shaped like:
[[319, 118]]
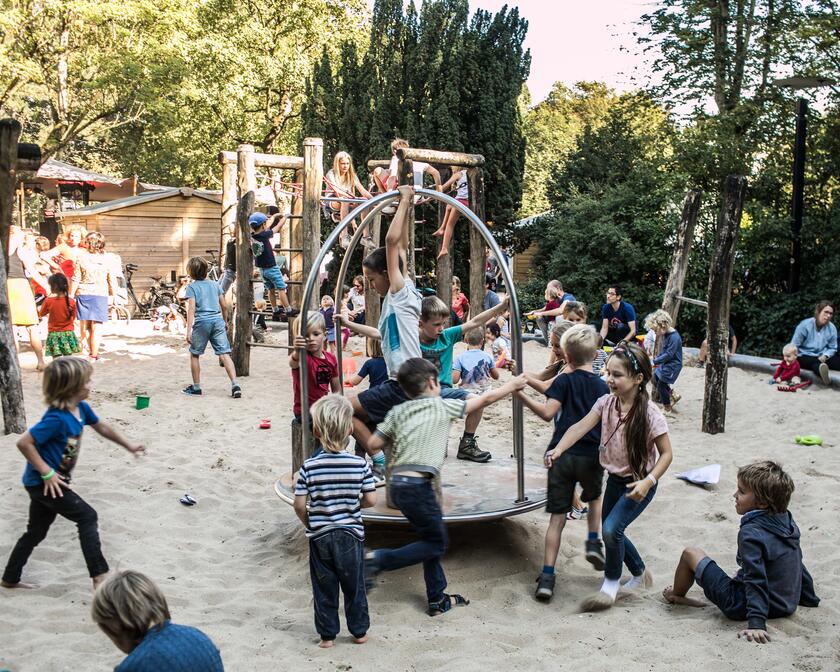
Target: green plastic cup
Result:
[[142, 401]]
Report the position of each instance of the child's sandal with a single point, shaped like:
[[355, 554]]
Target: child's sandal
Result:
[[448, 601]]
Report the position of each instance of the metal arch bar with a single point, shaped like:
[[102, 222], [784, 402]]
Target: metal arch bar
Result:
[[696, 302]]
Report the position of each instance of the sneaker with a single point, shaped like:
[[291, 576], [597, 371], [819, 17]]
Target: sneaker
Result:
[[192, 391], [545, 586], [277, 315], [576, 513], [701, 365], [595, 553], [236, 391], [824, 377], [291, 312], [468, 450], [371, 570], [675, 398], [378, 477]]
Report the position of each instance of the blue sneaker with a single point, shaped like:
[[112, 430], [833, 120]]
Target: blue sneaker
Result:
[[192, 390]]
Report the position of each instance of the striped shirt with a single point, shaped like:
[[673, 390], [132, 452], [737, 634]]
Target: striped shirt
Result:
[[419, 432], [333, 482]]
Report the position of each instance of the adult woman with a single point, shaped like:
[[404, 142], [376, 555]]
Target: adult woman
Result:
[[21, 299], [92, 285], [816, 340], [62, 258], [343, 182]]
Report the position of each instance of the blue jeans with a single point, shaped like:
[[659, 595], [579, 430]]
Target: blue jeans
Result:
[[337, 559], [227, 280], [415, 497], [617, 513], [664, 390]]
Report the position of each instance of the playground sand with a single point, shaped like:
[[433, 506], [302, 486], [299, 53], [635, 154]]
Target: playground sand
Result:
[[236, 564]]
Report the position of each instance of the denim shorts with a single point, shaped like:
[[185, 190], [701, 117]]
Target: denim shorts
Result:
[[379, 400], [565, 473], [273, 278], [213, 331], [728, 595]]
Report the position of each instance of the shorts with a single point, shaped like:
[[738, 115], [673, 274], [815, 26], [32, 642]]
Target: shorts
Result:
[[22, 302], [273, 278], [379, 400], [565, 473], [728, 595], [210, 330], [459, 393], [463, 201]]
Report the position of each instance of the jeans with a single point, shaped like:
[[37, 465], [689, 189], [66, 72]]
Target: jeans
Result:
[[617, 513], [337, 558], [545, 324], [42, 512], [227, 280], [664, 391], [813, 363], [415, 497]]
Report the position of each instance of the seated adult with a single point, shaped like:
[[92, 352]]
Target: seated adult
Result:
[[731, 347], [618, 318], [816, 340], [491, 299]]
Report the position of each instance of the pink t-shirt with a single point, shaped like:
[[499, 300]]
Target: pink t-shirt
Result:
[[613, 453]]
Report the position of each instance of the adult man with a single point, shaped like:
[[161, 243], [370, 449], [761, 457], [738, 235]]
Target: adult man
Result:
[[618, 318]]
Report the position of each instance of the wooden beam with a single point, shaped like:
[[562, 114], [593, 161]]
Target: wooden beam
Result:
[[459, 159], [265, 160], [296, 274], [405, 175], [11, 385], [682, 251], [720, 293], [475, 180], [378, 163], [242, 324], [313, 177]]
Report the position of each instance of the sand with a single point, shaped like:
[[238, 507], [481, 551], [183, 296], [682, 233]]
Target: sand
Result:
[[236, 565]]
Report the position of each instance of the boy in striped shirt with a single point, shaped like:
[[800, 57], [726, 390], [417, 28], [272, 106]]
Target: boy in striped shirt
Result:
[[334, 482]]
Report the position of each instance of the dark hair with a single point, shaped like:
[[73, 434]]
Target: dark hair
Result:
[[272, 210], [616, 289], [414, 376], [377, 261], [58, 285], [197, 267], [636, 361], [494, 329], [490, 283], [821, 306], [769, 483]]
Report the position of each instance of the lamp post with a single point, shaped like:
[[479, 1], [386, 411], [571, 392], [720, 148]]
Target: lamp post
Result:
[[798, 199]]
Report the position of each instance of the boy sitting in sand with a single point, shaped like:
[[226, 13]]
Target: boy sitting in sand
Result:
[[418, 431], [771, 579], [334, 481]]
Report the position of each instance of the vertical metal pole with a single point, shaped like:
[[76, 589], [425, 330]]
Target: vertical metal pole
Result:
[[798, 200]]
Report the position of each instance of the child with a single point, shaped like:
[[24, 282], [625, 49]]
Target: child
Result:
[[357, 299], [474, 369], [334, 481], [342, 182], [542, 381], [437, 345], [132, 611], [576, 312], [786, 373], [51, 448], [321, 365], [451, 215], [327, 311], [262, 231], [669, 361], [61, 338], [374, 368], [555, 302], [633, 431], [418, 431], [771, 579], [569, 399], [206, 315], [499, 345], [460, 302]]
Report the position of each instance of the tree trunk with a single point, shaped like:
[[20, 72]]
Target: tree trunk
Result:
[[242, 324], [682, 252], [720, 292], [313, 176], [475, 179]]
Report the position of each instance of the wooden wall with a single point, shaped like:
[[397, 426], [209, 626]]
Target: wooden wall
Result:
[[523, 265]]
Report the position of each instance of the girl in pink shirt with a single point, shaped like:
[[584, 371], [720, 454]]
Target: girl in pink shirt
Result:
[[636, 453]]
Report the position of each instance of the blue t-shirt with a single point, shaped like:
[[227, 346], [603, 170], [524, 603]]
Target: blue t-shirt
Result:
[[375, 370], [491, 300], [619, 319], [173, 648], [206, 294], [265, 259], [58, 438], [474, 367], [577, 393], [439, 353]]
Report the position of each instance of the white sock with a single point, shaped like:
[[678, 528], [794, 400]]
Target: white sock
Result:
[[611, 587], [635, 582]]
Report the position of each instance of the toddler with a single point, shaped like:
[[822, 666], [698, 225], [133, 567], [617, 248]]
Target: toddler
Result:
[[786, 373], [474, 369], [61, 338]]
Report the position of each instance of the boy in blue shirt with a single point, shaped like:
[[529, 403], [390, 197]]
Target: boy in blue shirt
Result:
[[474, 369], [206, 312], [262, 233], [618, 318]]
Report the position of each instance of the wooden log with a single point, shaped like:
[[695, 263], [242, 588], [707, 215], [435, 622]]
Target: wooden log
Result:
[[11, 386], [298, 456], [265, 160], [459, 159], [720, 293], [313, 177], [405, 175], [378, 163], [372, 299], [475, 179], [242, 324], [229, 199], [295, 227], [682, 252]]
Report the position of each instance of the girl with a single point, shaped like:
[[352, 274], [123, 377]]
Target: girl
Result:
[[92, 286], [327, 311], [61, 339], [499, 345], [451, 216], [51, 449], [636, 452], [373, 369], [669, 361], [342, 182], [460, 302], [322, 366]]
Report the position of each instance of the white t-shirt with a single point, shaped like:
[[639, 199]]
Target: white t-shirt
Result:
[[463, 187], [419, 169], [399, 326]]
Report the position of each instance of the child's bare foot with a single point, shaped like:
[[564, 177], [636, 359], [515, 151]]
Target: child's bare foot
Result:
[[326, 644], [19, 584], [360, 640], [438, 233], [673, 598], [442, 253]]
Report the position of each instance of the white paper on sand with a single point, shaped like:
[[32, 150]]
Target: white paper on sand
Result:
[[708, 475]]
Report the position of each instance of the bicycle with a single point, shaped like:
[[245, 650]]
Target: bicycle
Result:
[[215, 270], [160, 294]]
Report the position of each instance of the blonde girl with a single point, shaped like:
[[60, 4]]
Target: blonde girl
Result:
[[343, 182]]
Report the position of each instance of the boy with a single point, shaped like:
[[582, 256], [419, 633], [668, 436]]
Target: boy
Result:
[[437, 344], [206, 315], [574, 393], [771, 579], [419, 432], [262, 231], [321, 365], [474, 369], [334, 481]]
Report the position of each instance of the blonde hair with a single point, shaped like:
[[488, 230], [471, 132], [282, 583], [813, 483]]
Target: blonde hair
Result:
[[396, 143], [348, 183], [553, 288], [63, 378], [432, 307], [374, 347], [578, 308], [790, 349], [474, 336], [314, 319], [332, 420], [658, 319], [128, 604], [561, 328], [579, 344], [456, 281]]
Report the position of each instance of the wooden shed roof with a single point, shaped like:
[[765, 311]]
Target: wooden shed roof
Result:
[[148, 197]]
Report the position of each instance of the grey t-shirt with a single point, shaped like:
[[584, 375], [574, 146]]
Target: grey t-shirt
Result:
[[399, 326]]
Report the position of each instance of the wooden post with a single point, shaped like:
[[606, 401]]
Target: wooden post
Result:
[[296, 266], [443, 276], [720, 293], [372, 300], [313, 177], [242, 324], [475, 179], [229, 198], [14, 413], [679, 265], [405, 175]]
